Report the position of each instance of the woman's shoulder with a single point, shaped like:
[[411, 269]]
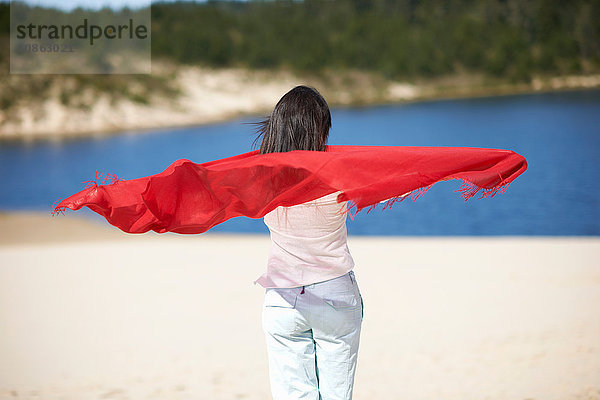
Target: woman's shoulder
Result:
[[325, 203], [326, 200]]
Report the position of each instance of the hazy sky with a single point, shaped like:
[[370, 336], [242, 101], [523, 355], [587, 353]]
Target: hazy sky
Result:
[[93, 4]]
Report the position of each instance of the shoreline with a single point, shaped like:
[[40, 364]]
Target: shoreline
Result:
[[29, 228], [56, 137], [213, 96]]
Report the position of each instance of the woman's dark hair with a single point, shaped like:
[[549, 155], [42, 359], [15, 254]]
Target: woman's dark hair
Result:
[[300, 121]]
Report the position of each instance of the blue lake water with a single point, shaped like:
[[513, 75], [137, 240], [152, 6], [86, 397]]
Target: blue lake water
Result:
[[558, 133]]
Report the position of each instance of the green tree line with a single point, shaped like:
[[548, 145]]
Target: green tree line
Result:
[[399, 39]]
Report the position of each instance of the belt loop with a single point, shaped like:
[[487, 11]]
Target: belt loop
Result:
[[302, 292], [350, 275]]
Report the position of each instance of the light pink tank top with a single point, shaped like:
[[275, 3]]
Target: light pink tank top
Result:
[[308, 243]]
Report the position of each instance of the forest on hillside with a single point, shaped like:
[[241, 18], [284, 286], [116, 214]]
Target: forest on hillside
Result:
[[399, 39]]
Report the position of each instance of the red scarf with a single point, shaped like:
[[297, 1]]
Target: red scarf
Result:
[[192, 198]]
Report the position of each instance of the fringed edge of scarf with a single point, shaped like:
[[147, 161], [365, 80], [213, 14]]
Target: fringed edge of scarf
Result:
[[467, 190], [109, 179]]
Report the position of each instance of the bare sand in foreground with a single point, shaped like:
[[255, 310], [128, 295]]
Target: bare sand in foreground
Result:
[[87, 312]]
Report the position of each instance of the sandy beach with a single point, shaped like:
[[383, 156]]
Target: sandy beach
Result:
[[204, 95], [88, 312], [207, 95]]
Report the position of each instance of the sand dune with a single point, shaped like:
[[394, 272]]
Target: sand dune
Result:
[[87, 312], [207, 95]]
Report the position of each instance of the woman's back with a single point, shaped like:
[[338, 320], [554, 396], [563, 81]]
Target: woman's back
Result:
[[308, 243], [312, 312]]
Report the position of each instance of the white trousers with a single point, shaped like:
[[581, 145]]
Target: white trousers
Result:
[[312, 335]]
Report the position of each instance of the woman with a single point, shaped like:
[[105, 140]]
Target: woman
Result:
[[313, 309]]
